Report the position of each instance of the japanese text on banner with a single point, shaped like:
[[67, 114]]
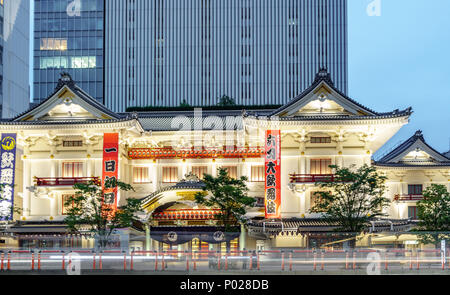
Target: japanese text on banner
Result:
[[110, 166], [7, 175], [273, 174]]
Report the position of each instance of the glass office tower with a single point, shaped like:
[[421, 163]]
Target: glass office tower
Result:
[[165, 52], [14, 57], [68, 37], [258, 52]]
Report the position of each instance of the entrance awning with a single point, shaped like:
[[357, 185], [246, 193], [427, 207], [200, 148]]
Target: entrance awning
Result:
[[182, 235]]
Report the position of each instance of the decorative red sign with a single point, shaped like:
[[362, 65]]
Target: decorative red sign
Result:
[[273, 174], [110, 166]]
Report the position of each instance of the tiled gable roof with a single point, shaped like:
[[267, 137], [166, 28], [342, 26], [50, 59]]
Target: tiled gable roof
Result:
[[324, 77], [388, 160], [66, 80]]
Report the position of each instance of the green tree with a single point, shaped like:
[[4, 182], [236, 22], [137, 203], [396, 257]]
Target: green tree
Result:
[[434, 214], [87, 209], [229, 195], [226, 101], [352, 198], [184, 104]]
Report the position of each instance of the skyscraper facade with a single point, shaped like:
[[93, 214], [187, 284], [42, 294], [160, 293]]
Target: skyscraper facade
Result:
[[258, 52], [14, 57], [68, 37], [129, 53]]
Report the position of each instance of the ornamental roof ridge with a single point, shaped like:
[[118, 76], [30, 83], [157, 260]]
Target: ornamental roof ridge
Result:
[[66, 80], [409, 166], [395, 114], [205, 113], [399, 114], [66, 122], [447, 155], [323, 76], [404, 146]]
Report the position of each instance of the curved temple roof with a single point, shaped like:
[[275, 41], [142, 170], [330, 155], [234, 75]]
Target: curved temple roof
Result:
[[414, 152], [191, 182], [320, 102], [66, 81], [323, 93]]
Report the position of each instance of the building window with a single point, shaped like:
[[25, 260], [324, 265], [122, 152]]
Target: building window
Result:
[[73, 143], [415, 189], [72, 169], [65, 207], [320, 139], [55, 62], [170, 175], [83, 62], [54, 44], [321, 167], [200, 171], [412, 212], [232, 171], [140, 175], [258, 174]]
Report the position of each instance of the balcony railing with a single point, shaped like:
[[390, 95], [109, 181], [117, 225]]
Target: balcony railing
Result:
[[408, 198], [65, 181], [311, 178]]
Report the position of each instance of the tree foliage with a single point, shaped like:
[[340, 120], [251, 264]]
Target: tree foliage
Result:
[[353, 197], [434, 214], [227, 194], [225, 101], [87, 209], [184, 104]]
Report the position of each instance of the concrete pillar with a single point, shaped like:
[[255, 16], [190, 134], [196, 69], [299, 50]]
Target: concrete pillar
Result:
[[53, 205], [184, 169], [302, 165], [214, 169], [400, 188], [26, 184], [148, 240], [243, 238], [245, 169], [340, 161], [303, 209], [153, 169], [308, 166], [90, 168], [53, 168]]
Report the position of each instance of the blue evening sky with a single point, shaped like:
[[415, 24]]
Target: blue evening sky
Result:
[[400, 59]]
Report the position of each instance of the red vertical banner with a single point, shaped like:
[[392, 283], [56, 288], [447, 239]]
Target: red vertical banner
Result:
[[110, 166], [273, 174]]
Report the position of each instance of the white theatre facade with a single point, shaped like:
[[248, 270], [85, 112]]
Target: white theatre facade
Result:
[[60, 143]]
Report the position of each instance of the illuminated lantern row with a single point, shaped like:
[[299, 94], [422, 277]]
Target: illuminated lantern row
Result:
[[169, 153], [187, 215]]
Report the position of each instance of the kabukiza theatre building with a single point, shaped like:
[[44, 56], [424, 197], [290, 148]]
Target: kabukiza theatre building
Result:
[[70, 138]]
